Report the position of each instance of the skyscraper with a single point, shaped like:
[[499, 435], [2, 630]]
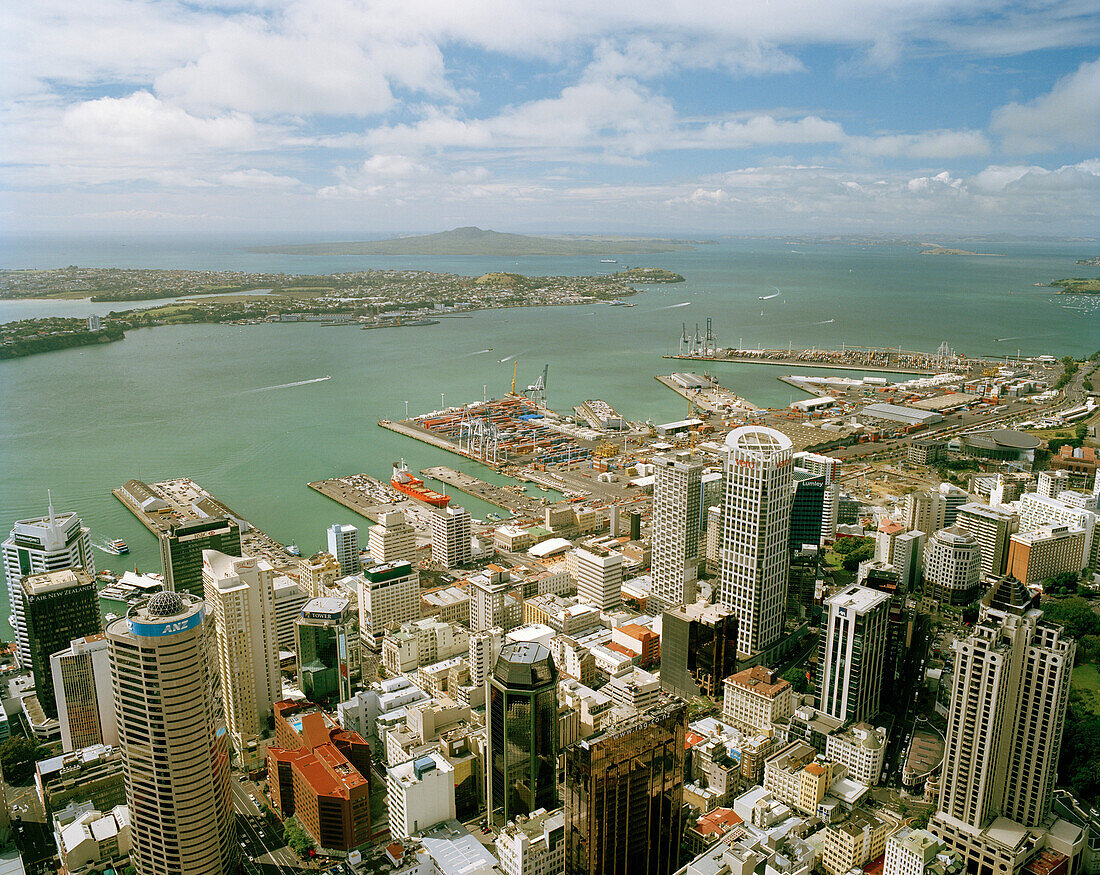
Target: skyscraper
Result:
[[389, 595], [677, 528], [698, 649], [175, 759], [807, 509], [599, 575], [56, 607], [343, 543], [624, 794], [327, 638], [1008, 704], [952, 566], [241, 600], [522, 718], [392, 539], [853, 651], [318, 574], [181, 549], [82, 689], [451, 534], [756, 516], [49, 543], [992, 527]]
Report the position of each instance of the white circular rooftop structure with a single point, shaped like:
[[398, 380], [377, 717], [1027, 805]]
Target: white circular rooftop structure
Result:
[[165, 604], [758, 441]]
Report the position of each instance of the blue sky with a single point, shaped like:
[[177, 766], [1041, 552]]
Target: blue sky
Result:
[[342, 117]]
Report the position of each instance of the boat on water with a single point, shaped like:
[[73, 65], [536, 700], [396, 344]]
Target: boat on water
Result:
[[116, 546], [494, 517], [399, 323], [293, 549], [414, 487], [618, 303], [609, 261]]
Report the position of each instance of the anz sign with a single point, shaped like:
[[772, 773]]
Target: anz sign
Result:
[[159, 630]]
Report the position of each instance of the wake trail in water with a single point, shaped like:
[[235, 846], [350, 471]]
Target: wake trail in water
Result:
[[288, 385], [508, 358], [674, 306], [479, 352]]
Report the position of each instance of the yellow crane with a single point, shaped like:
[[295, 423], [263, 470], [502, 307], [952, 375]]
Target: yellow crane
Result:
[[514, 366]]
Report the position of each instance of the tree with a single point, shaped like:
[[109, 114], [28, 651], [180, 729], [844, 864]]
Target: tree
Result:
[[1061, 584], [1075, 614], [297, 838], [17, 758], [796, 677]]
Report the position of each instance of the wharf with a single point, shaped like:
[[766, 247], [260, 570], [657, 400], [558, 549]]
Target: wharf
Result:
[[510, 498], [781, 357], [369, 497], [409, 428], [712, 399], [186, 501]]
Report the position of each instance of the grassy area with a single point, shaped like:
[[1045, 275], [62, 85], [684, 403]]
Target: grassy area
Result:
[[1086, 681]]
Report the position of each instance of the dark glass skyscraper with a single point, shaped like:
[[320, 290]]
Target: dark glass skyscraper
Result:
[[181, 551], [806, 509], [698, 649], [624, 794], [523, 732]]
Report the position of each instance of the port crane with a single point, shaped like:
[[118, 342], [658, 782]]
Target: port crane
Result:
[[537, 391]]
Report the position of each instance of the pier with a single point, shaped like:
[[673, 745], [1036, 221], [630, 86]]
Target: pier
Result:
[[510, 498], [892, 361], [182, 500], [370, 498], [707, 394]]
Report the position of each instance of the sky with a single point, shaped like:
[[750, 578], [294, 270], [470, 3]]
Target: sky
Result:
[[353, 118]]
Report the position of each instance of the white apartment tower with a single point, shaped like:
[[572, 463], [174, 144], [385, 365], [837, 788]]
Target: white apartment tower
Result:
[[677, 528], [925, 511], [392, 539], [484, 650], [992, 527], [174, 756], [756, 517], [240, 597], [82, 689], [451, 534], [952, 566], [389, 595], [492, 604], [343, 543], [599, 575], [1008, 703], [853, 649], [532, 844], [50, 543]]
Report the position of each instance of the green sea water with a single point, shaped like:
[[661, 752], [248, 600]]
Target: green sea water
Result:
[[214, 402]]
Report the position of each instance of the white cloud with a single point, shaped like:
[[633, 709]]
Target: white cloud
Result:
[[1069, 115], [258, 179], [935, 145]]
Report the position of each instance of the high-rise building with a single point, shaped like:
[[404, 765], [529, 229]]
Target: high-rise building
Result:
[[908, 559], [240, 598], [677, 527], [924, 511], [754, 699], [522, 732], [853, 650], [807, 509], [484, 648], [599, 575], [318, 574], [952, 566], [290, 598], [533, 845], [451, 533], [391, 539], [756, 518], [493, 602], [389, 595], [175, 755], [698, 649], [815, 463], [50, 543], [420, 793], [624, 795], [1008, 702], [56, 607], [953, 499], [343, 543], [1046, 552], [181, 549], [82, 688], [991, 527], [327, 639]]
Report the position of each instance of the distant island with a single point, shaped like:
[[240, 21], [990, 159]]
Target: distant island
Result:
[[943, 250], [1090, 262], [476, 241], [1078, 286]]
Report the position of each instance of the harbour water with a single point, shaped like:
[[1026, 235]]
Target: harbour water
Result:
[[183, 400]]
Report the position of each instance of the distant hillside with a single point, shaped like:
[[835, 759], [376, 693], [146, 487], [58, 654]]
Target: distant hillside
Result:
[[475, 241]]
